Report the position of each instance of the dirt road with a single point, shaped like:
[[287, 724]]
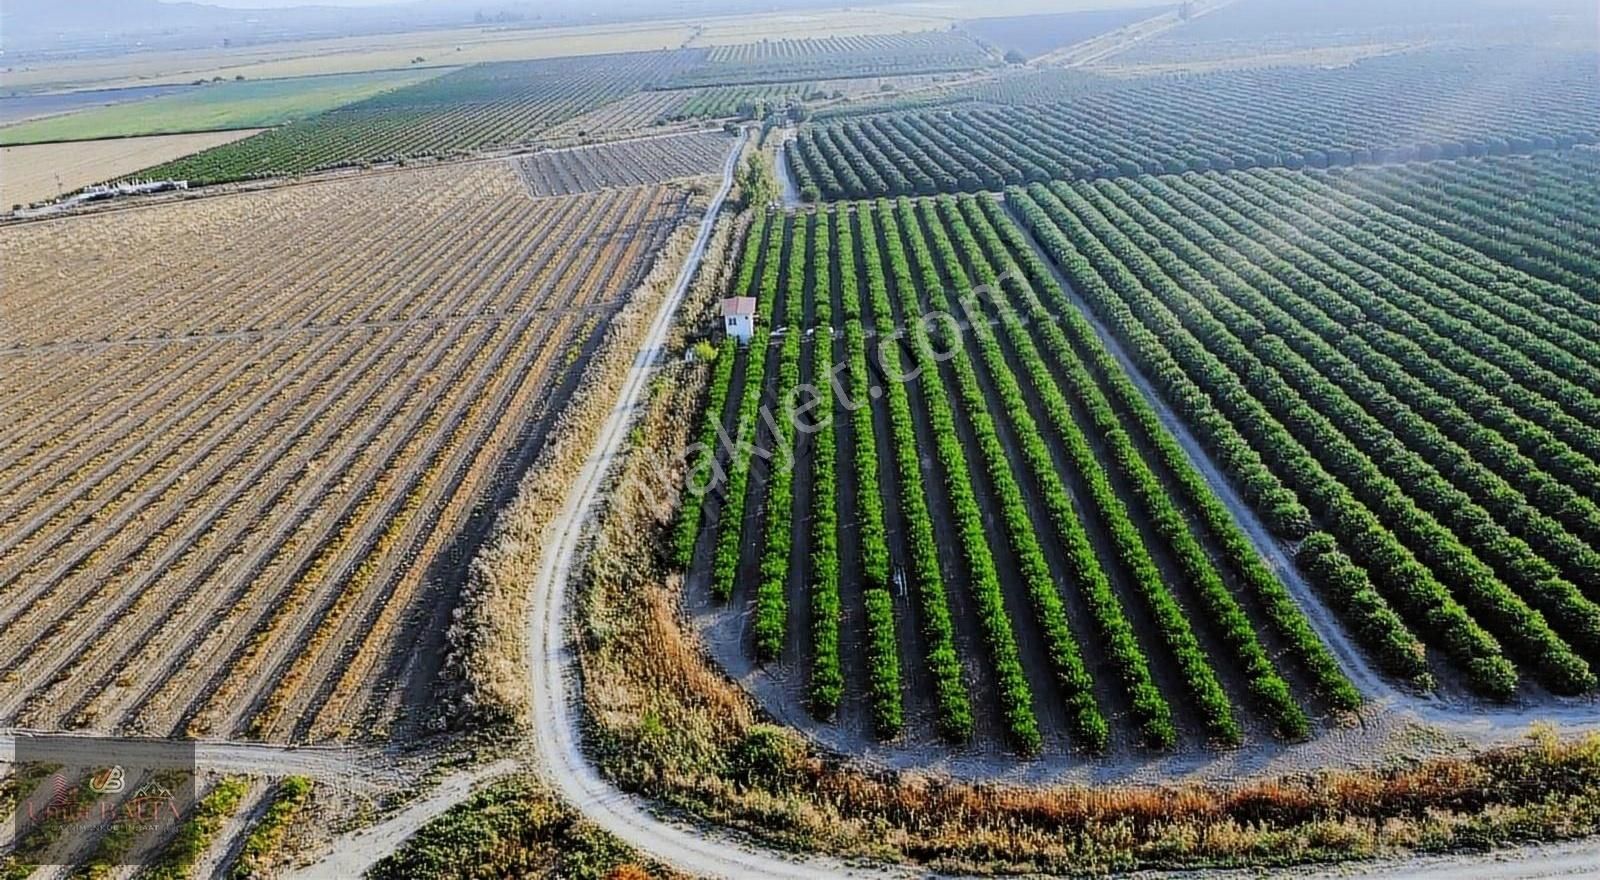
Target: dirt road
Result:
[[1579, 858], [354, 853], [787, 188], [358, 769], [557, 734]]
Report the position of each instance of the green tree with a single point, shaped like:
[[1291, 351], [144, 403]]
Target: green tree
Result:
[[756, 181]]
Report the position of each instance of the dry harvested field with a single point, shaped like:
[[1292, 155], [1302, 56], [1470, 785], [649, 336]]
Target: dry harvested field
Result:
[[473, 45], [252, 439], [29, 174], [627, 163]]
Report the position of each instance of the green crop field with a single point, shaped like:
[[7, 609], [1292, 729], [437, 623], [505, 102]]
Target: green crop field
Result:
[[1009, 544], [216, 106], [1428, 105], [1395, 358]]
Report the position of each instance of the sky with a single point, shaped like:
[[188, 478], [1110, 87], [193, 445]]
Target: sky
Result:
[[284, 4]]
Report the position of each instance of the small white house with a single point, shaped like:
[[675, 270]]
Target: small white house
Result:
[[739, 317]]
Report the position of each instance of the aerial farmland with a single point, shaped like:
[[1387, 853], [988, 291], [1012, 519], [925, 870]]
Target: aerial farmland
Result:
[[1050, 436], [318, 431]]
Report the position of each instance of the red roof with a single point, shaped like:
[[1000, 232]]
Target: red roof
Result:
[[739, 305]]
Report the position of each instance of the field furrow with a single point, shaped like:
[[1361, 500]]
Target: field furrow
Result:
[[232, 507]]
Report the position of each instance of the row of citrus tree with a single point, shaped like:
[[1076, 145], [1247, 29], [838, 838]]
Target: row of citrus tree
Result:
[[1399, 516], [988, 440], [1372, 398], [1303, 119]]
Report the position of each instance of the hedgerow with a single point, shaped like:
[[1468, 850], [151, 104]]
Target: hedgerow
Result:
[[772, 579], [944, 663], [827, 680], [883, 646]]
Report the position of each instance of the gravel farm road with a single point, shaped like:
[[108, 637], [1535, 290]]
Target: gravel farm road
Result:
[[552, 666]]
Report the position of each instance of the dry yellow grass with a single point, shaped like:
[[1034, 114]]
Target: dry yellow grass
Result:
[[30, 173], [351, 55], [473, 45]]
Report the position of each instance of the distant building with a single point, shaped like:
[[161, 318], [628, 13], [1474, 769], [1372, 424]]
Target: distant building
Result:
[[126, 188], [739, 317]]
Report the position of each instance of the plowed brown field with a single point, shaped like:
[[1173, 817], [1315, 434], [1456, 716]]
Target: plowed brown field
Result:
[[250, 440]]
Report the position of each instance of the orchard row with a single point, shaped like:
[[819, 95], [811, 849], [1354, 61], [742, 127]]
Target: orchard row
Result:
[[1427, 106], [1009, 542], [1364, 357]]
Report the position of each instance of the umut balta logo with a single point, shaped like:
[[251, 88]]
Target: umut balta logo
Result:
[[153, 802], [111, 780]]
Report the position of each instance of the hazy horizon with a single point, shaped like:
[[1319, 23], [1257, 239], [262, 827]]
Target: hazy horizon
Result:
[[285, 4]]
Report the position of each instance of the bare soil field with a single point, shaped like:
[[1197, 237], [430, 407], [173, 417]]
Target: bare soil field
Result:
[[42, 171], [626, 163], [253, 439]]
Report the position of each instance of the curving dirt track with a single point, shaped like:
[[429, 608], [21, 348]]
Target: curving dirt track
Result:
[[557, 734]]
